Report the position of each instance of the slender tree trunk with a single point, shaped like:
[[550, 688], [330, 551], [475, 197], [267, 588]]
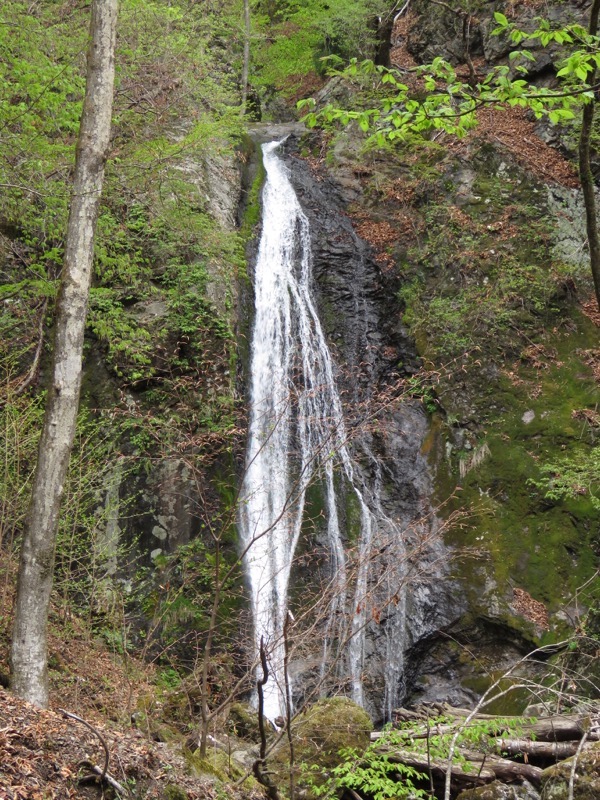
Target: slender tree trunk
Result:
[[246, 63], [259, 768], [29, 672], [212, 626], [288, 703], [585, 169]]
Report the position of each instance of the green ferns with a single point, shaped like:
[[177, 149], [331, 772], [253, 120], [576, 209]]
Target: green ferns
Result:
[[572, 476]]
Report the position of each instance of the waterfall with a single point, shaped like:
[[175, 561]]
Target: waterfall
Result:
[[296, 434]]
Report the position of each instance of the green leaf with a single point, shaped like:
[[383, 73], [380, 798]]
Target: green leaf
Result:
[[501, 19]]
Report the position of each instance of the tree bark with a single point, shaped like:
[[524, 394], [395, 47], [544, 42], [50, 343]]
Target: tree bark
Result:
[[212, 626], [585, 169], [246, 62], [29, 677]]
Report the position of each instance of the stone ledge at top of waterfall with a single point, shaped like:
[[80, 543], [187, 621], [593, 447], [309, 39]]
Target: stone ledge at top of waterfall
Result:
[[266, 132]]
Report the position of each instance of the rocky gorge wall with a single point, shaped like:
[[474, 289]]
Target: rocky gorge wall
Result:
[[451, 273], [481, 246]]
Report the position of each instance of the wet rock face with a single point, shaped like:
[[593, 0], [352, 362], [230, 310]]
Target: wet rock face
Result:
[[354, 301], [372, 352]]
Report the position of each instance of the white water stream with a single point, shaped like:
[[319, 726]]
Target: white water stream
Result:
[[296, 428]]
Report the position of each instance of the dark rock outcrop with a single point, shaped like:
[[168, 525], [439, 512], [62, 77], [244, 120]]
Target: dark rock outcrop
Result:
[[373, 353]]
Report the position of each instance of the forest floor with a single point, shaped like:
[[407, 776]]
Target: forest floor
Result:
[[47, 755]]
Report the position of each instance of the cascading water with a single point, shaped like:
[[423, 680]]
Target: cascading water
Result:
[[296, 429]]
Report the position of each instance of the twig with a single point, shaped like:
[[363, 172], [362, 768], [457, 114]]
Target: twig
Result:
[[574, 766], [104, 777], [102, 773], [431, 785], [259, 766], [96, 733], [38, 352], [289, 619]]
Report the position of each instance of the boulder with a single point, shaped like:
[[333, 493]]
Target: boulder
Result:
[[586, 785], [319, 734], [500, 791]]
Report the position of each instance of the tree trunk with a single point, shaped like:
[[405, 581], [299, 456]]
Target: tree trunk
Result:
[[585, 169], [246, 62], [212, 627], [29, 677]]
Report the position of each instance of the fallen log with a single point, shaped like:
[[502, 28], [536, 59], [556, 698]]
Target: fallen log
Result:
[[435, 729], [471, 769], [462, 775], [558, 728], [509, 771], [561, 729], [554, 750]]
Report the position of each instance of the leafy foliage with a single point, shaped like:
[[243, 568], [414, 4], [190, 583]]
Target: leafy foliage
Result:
[[441, 100], [297, 36], [157, 239], [379, 772], [164, 266]]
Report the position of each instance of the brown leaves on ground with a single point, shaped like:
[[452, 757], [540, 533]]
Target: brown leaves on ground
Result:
[[512, 128], [587, 415], [524, 605], [44, 754], [513, 6], [298, 86], [399, 55], [381, 236], [592, 359], [591, 310], [539, 356], [41, 752]]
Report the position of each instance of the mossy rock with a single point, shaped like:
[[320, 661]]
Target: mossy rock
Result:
[[329, 726], [586, 786], [174, 792], [318, 735], [243, 722], [500, 791], [216, 763]]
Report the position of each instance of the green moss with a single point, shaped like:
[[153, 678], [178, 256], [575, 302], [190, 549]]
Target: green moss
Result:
[[318, 735], [543, 546], [174, 792], [215, 763], [243, 722], [492, 315], [252, 209], [556, 779]]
